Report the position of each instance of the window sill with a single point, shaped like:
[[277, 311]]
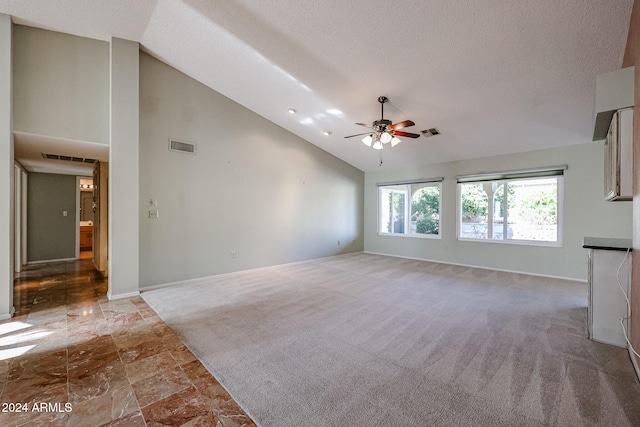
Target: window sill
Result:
[[412, 236], [515, 242]]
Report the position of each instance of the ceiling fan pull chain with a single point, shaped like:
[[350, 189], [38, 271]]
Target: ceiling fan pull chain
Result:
[[380, 158]]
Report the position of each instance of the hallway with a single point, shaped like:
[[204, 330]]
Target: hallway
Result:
[[88, 361]]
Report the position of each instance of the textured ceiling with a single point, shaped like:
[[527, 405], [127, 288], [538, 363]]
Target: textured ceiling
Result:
[[494, 76]]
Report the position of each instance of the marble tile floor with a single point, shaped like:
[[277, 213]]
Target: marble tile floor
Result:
[[71, 357]]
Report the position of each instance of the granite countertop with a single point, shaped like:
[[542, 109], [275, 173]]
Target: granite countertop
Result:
[[606, 243]]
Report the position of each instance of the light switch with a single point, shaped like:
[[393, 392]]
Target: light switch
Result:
[[65, 213], [154, 214], [153, 202]]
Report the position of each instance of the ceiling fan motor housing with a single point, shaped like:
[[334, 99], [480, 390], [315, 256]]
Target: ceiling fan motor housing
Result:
[[381, 125]]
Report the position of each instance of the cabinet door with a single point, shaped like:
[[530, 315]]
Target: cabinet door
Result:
[[618, 157], [611, 170]]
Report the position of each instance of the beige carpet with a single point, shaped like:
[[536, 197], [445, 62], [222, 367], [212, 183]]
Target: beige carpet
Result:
[[366, 340]]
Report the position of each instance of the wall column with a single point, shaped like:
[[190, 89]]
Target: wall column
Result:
[[6, 171], [123, 169], [632, 58]]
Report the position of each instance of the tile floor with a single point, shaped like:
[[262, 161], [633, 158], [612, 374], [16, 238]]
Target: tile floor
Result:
[[71, 357]]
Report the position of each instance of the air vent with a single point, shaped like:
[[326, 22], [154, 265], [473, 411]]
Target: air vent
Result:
[[68, 158], [184, 147], [430, 132]]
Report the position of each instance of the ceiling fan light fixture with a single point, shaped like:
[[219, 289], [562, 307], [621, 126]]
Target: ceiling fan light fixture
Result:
[[385, 138], [384, 131]]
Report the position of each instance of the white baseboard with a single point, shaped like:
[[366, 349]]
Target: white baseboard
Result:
[[112, 297], [8, 316], [573, 279]]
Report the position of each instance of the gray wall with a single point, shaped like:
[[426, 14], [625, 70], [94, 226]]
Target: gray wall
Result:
[[253, 188], [60, 85], [6, 170], [50, 234], [585, 214]]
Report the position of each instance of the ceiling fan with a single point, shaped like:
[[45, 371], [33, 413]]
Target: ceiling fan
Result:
[[383, 132]]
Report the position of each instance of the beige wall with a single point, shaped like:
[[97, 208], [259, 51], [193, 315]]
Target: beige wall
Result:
[[253, 188], [6, 170], [632, 58], [61, 85], [124, 167], [585, 214]]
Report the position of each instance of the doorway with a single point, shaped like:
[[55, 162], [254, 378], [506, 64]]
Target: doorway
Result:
[[86, 217]]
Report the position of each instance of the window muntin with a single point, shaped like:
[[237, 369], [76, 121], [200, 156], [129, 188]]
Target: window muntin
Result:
[[410, 209], [518, 210]]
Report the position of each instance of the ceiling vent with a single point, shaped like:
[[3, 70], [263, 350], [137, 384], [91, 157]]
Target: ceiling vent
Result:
[[430, 132], [68, 158], [184, 147]]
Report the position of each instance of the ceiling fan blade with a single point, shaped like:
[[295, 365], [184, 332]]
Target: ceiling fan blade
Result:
[[358, 134], [407, 134], [367, 126], [401, 125]]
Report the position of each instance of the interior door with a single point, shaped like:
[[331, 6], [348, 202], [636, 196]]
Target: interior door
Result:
[[100, 217]]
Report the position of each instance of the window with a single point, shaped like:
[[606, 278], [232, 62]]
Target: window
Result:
[[410, 209], [514, 207]]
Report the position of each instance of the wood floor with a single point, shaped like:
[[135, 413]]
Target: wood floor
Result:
[[71, 357]]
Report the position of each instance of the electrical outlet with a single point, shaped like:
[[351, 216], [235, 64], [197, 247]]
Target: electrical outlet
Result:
[[233, 254], [338, 242], [154, 214]]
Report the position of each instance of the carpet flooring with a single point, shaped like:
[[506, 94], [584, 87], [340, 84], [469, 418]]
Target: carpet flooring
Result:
[[368, 340]]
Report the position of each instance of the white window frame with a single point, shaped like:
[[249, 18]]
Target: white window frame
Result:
[[541, 173], [421, 183]]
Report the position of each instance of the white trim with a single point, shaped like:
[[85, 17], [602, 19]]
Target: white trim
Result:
[[17, 222], [521, 242], [121, 296], [572, 279], [559, 243], [5, 317], [77, 217], [407, 209], [412, 235], [410, 181], [513, 174], [24, 199]]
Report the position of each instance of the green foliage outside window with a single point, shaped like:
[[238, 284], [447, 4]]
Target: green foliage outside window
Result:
[[425, 210], [475, 203], [540, 208]]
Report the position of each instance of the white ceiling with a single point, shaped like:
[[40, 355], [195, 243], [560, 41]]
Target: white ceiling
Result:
[[494, 76]]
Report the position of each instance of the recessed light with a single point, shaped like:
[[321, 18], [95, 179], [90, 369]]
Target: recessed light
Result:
[[292, 110]]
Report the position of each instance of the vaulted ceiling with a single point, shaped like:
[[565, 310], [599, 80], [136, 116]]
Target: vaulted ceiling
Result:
[[493, 76]]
